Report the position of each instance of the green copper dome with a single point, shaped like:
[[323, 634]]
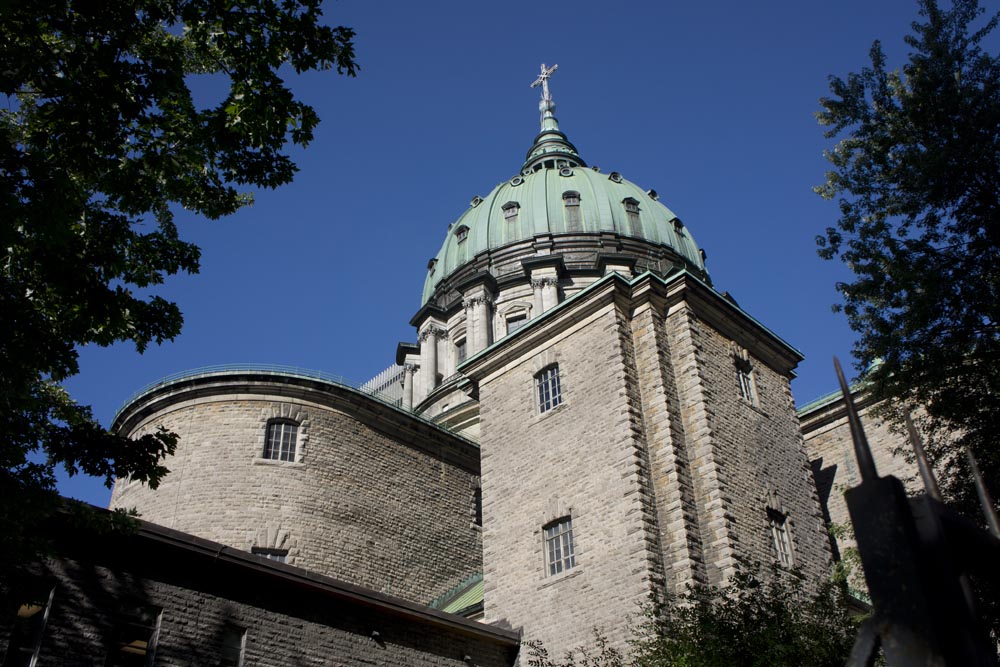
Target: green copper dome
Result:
[[557, 197]]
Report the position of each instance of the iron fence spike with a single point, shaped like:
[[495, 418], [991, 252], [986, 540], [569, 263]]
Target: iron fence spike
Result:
[[926, 472], [984, 495], [863, 453]]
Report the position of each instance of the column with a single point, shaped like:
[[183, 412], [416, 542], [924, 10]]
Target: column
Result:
[[408, 371]]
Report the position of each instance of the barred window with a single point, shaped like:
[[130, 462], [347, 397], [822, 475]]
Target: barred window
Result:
[[781, 536], [560, 553], [549, 391], [745, 381], [281, 440]]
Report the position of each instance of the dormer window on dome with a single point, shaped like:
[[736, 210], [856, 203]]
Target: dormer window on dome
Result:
[[571, 206], [462, 233], [632, 214], [510, 211]]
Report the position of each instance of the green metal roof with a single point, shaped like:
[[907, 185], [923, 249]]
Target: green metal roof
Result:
[[467, 594], [538, 195]]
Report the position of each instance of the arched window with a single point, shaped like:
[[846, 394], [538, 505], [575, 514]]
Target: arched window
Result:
[[281, 441], [549, 389], [632, 213], [571, 205]]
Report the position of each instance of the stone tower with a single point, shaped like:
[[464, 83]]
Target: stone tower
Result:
[[637, 427]]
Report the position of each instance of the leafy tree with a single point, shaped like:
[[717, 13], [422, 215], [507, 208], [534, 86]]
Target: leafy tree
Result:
[[100, 142], [916, 173], [752, 622]]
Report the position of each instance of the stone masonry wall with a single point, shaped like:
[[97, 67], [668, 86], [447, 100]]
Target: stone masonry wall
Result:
[[584, 459], [828, 443], [744, 457], [358, 505], [284, 627]]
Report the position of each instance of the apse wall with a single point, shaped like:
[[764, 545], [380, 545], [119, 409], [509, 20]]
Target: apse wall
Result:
[[371, 495]]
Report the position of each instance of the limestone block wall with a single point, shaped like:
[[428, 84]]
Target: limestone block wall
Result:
[[289, 620], [384, 511], [828, 443], [584, 459], [750, 456]]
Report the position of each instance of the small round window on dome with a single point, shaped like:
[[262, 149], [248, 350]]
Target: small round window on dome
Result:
[[615, 176], [652, 194], [516, 181], [476, 201], [565, 171]]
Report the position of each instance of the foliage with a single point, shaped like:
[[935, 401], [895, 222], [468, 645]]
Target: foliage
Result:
[[100, 140], [753, 621], [916, 173]]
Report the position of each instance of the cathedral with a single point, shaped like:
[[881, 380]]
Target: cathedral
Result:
[[580, 425]]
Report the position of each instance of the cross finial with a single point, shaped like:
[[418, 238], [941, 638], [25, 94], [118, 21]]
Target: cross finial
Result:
[[543, 81]]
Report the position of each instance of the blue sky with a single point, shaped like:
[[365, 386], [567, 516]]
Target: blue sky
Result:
[[710, 104]]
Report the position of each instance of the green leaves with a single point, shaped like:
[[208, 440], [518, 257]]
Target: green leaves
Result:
[[100, 140], [916, 175]]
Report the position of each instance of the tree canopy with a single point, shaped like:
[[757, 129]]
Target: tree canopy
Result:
[[101, 141], [916, 174], [753, 621]]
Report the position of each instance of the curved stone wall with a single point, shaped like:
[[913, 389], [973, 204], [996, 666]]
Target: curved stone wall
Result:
[[374, 496]]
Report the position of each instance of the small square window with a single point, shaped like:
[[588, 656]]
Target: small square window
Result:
[[781, 536], [278, 555], [560, 552], [549, 390], [281, 440]]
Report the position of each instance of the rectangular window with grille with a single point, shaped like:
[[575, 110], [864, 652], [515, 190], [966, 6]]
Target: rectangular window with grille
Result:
[[549, 391], [280, 442], [515, 322], [745, 381], [571, 203], [781, 536], [560, 552]]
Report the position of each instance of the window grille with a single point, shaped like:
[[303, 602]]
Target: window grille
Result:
[[745, 382], [281, 441], [560, 552], [781, 537], [549, 391]]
